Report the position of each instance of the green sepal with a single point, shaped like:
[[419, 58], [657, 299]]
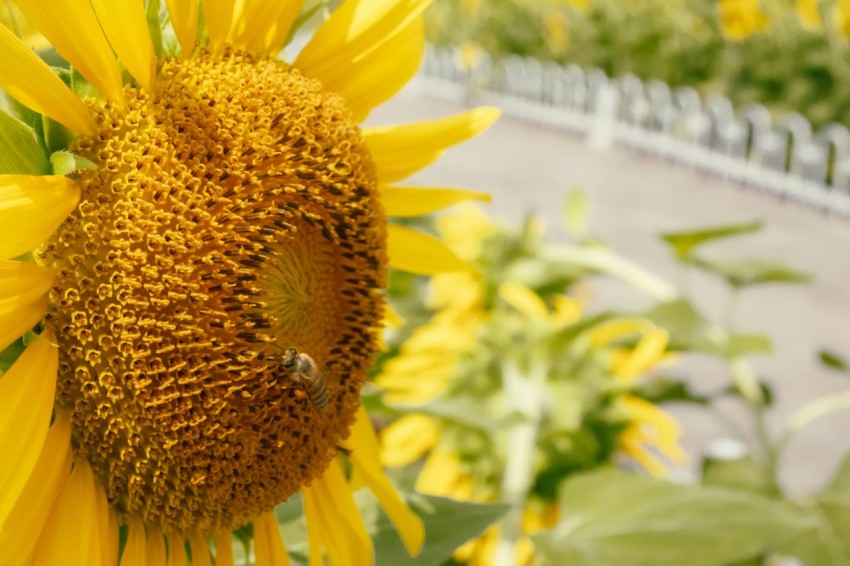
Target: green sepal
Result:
[[65, 162], [20, 151], [152, 11]]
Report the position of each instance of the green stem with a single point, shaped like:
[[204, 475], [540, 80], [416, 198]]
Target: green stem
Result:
[[519, 469]]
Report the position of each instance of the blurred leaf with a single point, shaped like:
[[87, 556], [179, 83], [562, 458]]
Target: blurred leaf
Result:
[[740, 273], [448, 524], [577, 213], [832, 360], [683, 243], [666, 390], [20, 152], [687, 327], [743, 344], [738, 473], [766, 393], [614, 518]]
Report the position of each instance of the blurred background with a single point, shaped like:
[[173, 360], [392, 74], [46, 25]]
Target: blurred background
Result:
[[673, 166]]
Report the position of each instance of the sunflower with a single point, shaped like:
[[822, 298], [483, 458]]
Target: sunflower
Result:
[[195, 213]]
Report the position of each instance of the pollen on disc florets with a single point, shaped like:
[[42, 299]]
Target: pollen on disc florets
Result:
[[234, 214]]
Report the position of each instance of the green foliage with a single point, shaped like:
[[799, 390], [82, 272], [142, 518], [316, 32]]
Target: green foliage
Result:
[[65, 162], [833, 361], [740, 273], [683, 244], [20, 151], [611, 517]]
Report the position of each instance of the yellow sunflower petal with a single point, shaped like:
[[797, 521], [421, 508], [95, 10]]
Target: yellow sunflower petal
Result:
[[200, 551], [22, 289], [335, 519], [400, 151], [73, 29], [107, 530], [155, 550], [610, 331], [126, 28], [416, 252], [279, 31], [261, 26], [19, 532], [184, 20], [374, 75], [223, 548], [134, 550], [566, 310], [353, 30], [31, 82], [524, 300], [408, 439], [26, 395], [269, 549], [416, 201], [69, 536], [442, 475], [366, 461], [648, 353], [31, 208], [177, 552], [391, 317], [218, 15]]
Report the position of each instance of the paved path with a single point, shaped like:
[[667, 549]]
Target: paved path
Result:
[[634, 197]]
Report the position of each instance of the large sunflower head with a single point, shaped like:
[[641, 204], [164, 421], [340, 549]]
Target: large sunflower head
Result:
[[200, 244]]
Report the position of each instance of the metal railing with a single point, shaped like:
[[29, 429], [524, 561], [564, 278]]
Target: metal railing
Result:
[[785, 157]]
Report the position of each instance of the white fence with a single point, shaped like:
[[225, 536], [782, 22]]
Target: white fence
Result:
[[785, 158]]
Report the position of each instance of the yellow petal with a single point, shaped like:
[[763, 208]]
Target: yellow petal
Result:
[[648, 352], [416, 201], [442, 475], [408, 439], [31, 82], [184, 20], [177, 551], [200, 551], [22, 290], [73, 29], [269, 549], [335, 520], [391, 317], [353, 30], [374, 75], [21, 529], [279, 32], [107, 531], [400, 151], [416, 252], [261, 26], [134, 550], [69, 536], [365, 459], [126, 27], [31, 208], [26, 395], [223, 548], [566, 310], [610, 331], [155, 548], [524, 300], [218, 15]]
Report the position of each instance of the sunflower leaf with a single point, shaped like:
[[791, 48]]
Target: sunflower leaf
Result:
[[684, 243], [448, 524], [20, 151], [612, 517]]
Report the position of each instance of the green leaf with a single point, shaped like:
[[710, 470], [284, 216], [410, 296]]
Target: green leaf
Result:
[[577, 213], [743, 344], [613, 518], [742, 473], [65, 162], [683, 243], [668, 390], [152, 13], [20, 152], [740, 273], [448, 524], [832, 360], [56, 136]]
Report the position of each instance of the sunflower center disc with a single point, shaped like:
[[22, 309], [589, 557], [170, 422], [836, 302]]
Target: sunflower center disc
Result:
[[234, 215]]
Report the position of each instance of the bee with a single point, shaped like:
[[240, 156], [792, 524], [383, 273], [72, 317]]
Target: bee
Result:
[[306, 373]]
